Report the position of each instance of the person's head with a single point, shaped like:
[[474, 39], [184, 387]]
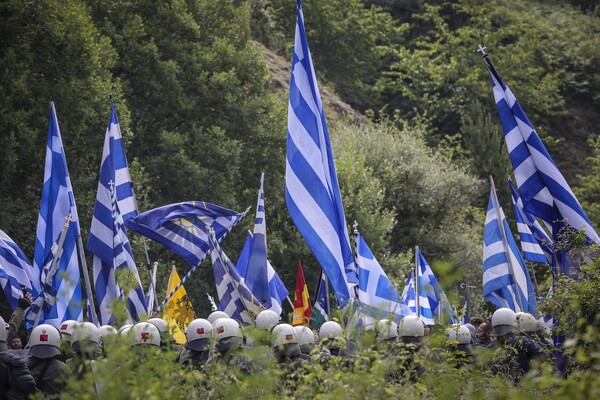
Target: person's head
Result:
[[15, 343], [306, 338], [199, 335], [44, 341], [85, 338], [476, 321], [411, 329], [527, 323], [504, 323], [284, 341], [228, 334], [387, 331]]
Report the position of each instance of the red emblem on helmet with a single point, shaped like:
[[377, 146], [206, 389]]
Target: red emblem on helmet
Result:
[[200, 331], [43, 338], [289, 336], [145, 335], [221, 329], [64, 327]]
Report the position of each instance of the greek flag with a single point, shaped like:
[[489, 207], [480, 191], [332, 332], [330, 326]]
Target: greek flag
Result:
[[506, 281], [56, 204], [377, 296], [408, 299], [320, 309], [235, 298], [430, 286], [544, 190], [182, 227], [115, 201], [277, 289], [535, 243], [312, 192], [15, 271]]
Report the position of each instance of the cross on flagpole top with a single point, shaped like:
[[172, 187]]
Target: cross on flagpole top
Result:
[[481, 49]]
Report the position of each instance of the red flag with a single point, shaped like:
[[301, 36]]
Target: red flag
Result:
[[302, 307]]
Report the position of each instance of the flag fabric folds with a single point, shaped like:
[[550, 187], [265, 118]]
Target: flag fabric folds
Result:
[[235, 298], [56, 204], [378, 298], [182, 227], [178, 312], [312, 191], [535, 243], [430, 286], [506, 281], [302, 307], [544, 191], [115, 272], [409, 300], [16, 271], [320, 309]]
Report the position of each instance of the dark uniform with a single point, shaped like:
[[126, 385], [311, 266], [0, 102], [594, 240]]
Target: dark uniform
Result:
[[50, 374], [16, 381], [517, 352]]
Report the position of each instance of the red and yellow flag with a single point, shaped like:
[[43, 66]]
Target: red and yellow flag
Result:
[[302, 307]]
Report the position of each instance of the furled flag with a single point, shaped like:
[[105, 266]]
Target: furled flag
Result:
[[150, 295], [409, 300], [302, 307], [178, 312], [377, 296], [431, 287], [544, 191], [320, 310], [16, 271], [536, 244], [43, 304], [235, 298], [182, 227], [311, 187], [277, 288], [506, 281], [56, 204], [115, 202]]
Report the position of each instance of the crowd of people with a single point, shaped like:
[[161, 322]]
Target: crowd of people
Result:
[[52, 355]]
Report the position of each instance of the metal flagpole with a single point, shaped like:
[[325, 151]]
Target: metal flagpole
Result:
[[327, 295], [56, 259], [88, 285], [505, 242], [417, 306]]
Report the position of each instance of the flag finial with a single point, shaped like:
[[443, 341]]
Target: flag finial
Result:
[[355, 226]]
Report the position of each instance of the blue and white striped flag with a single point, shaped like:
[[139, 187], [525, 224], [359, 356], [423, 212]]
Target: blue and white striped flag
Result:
[[311, 187], [378, 298], [506, 281], [277, 288], [235, 298], [16, 271], [108, 241], [56, 204], [535, 243], [409, 300], [431, 287], [545, 192], [182, 227]]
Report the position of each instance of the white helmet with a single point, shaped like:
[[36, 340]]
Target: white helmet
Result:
[[215, 315], [145, 333], [124, 329], [66, 328], [3, 332], [526, 322], [411, 326], [459, 333], [198, 335], [267, 319], [85, 331], [44, 341], [107, 332], [283, 334], [504, 322], [386, 330], [160, 323], [228, 334], [330, 329], [305, 335]]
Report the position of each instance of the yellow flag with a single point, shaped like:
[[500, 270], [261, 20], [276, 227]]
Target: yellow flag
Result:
[[178, 312]]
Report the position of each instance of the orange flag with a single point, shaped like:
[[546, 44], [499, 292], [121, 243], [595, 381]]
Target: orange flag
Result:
[[302, 307]]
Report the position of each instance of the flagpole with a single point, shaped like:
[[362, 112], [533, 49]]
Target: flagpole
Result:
[[86, 278], [153, 279], [417, 306], [505, 242], [56, 259], [327, 294]]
